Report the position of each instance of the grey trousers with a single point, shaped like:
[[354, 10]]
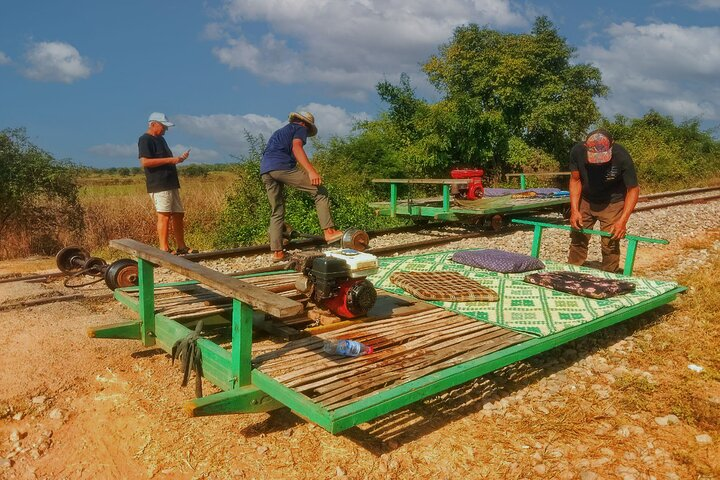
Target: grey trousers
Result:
[[275, 182], [610, 249]]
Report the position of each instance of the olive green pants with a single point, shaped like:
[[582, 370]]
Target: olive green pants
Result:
[[275, 182]]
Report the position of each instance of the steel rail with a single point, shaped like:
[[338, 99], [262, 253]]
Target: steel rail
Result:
[[388, 250], [676, 193], [258, 249], [688, 201]]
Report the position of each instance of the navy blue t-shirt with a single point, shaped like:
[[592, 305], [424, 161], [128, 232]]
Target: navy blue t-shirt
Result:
[[604, 182], [278, 152], [163, 177]]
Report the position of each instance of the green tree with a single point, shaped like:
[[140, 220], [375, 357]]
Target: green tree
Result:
[[525, 83], [666, 154], [38, 194], [195, 170]]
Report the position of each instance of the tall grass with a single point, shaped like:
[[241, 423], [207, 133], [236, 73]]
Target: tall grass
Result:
[[126, 211], [123, 209]]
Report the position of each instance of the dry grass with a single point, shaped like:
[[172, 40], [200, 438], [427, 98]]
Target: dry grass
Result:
[[121, 208]]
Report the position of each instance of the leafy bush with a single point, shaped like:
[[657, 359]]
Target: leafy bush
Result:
[[38, 196], [246, 217], [194, 170], [666, 154]]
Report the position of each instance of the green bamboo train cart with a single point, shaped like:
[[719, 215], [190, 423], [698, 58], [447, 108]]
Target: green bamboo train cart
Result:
[[421, 348], [446, 208]]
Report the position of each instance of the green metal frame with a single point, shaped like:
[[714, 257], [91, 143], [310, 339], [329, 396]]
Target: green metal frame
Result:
[[248, 390], [629, 255], [448, 213]]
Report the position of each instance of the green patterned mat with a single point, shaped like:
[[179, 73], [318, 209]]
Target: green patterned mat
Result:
[[522, 307]]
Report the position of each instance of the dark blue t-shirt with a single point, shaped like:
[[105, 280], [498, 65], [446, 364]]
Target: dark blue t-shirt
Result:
[[278, 152], [604, 182], [163, 177]]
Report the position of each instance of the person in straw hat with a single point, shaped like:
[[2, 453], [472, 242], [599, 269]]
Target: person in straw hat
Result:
[[279, 167], [604, 188]]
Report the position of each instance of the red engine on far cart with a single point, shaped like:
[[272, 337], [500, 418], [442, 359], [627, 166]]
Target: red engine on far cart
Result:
[[474, 188]]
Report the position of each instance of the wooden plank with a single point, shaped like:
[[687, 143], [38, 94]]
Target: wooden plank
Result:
[[537, 174], [420, 181], [483, 349], [413, 348], [278, 357], [256, 297], [398, 355]]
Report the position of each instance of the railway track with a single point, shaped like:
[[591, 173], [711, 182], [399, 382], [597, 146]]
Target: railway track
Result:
[[438, 233], [646, 202]]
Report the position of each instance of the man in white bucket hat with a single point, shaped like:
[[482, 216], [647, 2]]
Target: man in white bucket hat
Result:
[[279, 167], [161, 180]]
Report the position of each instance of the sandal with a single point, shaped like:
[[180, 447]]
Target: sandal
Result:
[[185, 251]]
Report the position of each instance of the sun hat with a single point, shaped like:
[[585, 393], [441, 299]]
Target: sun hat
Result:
[[306, 117], [599, 146], [160, 118]]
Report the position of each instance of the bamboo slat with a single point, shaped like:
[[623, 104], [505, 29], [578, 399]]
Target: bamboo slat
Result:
[[407, 347]]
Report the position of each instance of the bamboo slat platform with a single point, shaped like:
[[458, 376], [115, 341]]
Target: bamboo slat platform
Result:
[[190, 301], [407, 346]]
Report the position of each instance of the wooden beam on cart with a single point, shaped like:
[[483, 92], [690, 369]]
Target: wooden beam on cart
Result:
[[258, 298]]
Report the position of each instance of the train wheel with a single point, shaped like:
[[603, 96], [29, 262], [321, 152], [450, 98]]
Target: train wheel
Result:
[[121, 273], [71, 259], [497, 222]]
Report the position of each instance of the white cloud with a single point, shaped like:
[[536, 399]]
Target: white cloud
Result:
[[111, 150], [56, 62], [114, 150], [4, 59], [351, 44], [667, 67], [229, 131], [197, 155], [705, 4], [331, 120]]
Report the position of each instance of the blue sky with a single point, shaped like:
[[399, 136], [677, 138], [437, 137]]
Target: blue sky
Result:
[[82, 76]]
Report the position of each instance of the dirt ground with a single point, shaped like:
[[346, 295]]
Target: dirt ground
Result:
[[72, 407]]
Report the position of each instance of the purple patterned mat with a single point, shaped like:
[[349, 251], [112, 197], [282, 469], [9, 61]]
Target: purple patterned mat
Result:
[[499, 192], [498, 260]]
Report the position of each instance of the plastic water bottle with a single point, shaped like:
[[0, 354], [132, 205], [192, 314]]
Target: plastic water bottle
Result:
[[346, 348]]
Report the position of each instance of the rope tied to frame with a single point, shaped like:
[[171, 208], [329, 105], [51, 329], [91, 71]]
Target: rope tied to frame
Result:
[[187, 351]]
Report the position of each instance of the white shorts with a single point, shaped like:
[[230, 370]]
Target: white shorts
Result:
[[167, 201]]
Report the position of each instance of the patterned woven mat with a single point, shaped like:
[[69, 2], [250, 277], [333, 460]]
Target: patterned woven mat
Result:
[[443, 286], [521, 306]]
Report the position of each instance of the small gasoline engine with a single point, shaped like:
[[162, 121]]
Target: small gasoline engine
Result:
[[474, 188], [336, 281]]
